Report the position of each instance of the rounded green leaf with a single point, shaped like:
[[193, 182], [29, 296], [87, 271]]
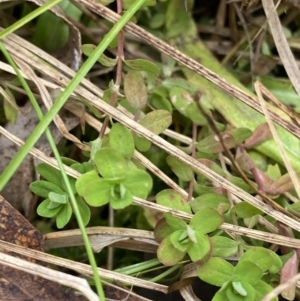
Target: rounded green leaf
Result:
[[171, 83], [174, 222], [223, 246], [262, 288], [216, 271], [63, 216], [135, 89], [156, 121], [50, 174], [210, 200], [172, 199], [78, 167], [180, 240], [180, 99], [88, 49], [162, 230], [138, 182], [58, 197], [213, 166], [44, 211], [160, 103], [264, 258], [220, 296], [120, 138], [167, 254], [193, 113], [206, 220], [68, 161], [46, 29], [191, 234], [239, 182], [142, 65], [120, 202], [245, 210], [142, 144], [110, 163], [97, 193], [240, 291], [84, 210], [53, 205], [201, 249], [82, 167], [95, 145], [238, 287], [181, 170], [85, 180], [43, 188], [240, 135], [248, 271], [157, 21], [107, 61]]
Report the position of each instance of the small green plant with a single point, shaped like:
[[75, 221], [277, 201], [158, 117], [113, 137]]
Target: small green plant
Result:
[[243, 282], [154, 93], [208, 248], [53, 189], [178, 238], [112, 178], [115, 179]]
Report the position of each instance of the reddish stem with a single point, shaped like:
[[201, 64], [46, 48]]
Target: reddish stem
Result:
[[120, 57]]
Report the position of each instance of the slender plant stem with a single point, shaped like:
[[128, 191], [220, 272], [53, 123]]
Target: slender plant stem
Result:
[[120, 57], [113, 102]]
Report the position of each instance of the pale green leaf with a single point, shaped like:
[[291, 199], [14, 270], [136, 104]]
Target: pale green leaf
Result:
[[120, 138]]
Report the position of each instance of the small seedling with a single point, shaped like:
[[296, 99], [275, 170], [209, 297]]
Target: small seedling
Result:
[[57, 203]]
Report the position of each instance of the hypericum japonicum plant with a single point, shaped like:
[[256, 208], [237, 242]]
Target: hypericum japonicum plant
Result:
[[56, 203], [115, 178], [178, 237], [199, 241]]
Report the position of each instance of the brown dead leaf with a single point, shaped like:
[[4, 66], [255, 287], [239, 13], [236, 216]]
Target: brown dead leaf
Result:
[[16, 284]]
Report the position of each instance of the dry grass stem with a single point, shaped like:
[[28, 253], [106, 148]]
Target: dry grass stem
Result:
[[56, 276], [258, 87]]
